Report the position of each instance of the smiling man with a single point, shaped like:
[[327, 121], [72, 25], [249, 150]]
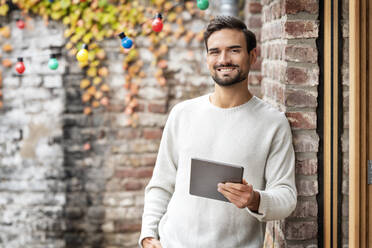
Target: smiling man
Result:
[[232, 126]]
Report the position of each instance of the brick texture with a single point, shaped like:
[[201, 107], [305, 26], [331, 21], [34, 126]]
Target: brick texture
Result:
[[71, 180], [289, 79]]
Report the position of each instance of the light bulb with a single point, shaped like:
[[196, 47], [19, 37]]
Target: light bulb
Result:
[[202, 4], [82, 55], [20, 24], [125, 41], [157, 24], [20, 66], [53, 63]]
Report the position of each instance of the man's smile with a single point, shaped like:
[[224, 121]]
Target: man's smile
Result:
[[225, 69]]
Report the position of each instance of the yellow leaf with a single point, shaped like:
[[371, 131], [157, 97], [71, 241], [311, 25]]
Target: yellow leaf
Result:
[[5, 32], [92, 72], [7, 48], [105, 88], [103, 71], [172, 17], [95, 104], [7, 63], [98, 95], [162, 81], [86, 97], [97, 80], [87, 110], [104, 101], [84, 83], [92, 90]]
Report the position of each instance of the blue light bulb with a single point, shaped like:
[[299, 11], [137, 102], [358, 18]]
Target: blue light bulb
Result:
[[125, 41]]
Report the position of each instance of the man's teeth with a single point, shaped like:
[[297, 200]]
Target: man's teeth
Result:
[[226, 69]]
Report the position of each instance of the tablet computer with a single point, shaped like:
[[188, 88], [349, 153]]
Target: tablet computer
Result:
[[206, 174]]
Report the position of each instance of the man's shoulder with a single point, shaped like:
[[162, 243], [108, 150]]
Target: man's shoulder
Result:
[[269, 113], [187, 105]]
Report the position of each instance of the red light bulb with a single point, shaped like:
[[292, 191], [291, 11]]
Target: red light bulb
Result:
[[20, 24], [157, 24], [20, 67]]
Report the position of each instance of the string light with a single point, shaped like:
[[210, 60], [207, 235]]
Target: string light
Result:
[[20, 24], [157, 24], [202, 4], [82, 55], [53, 63], [20, 66], [125, 41]]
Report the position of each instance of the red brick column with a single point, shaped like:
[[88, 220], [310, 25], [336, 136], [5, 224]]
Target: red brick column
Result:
[[290, 75], [253, 20]]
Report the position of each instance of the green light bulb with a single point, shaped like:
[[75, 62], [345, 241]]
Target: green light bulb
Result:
[[53, 63], [202, 4]]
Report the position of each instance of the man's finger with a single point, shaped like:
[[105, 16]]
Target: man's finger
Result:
[[236, 200], [230, 196], [237, 186], [235, 191]]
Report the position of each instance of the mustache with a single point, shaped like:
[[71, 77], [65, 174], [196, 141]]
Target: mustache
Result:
[[225, 65]]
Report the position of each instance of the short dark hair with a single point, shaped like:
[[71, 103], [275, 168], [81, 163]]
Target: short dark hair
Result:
[[230, 22]]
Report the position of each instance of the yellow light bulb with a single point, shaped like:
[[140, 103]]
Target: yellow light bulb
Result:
[[82, 55]]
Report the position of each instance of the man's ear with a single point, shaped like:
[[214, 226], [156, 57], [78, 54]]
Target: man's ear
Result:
[[253, 56]]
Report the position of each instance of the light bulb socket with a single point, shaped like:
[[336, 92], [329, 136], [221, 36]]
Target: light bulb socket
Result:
[[20, 59], [53, 56], [84, 46], [122, 35], [158, 15]]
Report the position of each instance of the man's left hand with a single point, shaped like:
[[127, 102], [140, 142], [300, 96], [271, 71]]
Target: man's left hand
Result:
[[240, 194]]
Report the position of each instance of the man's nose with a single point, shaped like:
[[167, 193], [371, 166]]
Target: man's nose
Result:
[[224, 57]]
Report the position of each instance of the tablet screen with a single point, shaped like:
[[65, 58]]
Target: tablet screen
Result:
[[206, 174]]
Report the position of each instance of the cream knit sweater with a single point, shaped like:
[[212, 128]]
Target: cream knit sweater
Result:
[[253, 135]]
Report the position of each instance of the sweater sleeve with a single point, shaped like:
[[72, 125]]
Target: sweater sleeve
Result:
[[279, 198], [160, 189]]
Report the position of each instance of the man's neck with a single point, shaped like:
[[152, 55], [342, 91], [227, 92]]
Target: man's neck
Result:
[[231, 96]]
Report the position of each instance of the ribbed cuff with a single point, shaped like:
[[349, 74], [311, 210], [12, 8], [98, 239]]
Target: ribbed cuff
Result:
[[147, 234], [264, 203]]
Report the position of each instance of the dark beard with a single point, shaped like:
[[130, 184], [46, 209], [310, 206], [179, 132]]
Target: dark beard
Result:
[[229, 81]]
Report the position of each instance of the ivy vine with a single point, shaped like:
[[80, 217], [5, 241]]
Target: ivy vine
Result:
[[91, 21]]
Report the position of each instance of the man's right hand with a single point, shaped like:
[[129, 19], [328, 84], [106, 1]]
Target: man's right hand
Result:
[[151, 243]]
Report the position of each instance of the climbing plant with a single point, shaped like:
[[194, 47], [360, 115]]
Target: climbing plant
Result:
[[91, 21]]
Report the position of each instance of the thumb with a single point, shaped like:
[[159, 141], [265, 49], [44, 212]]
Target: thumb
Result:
[[245, 182]]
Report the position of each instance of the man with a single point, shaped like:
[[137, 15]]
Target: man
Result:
[[232, 126]]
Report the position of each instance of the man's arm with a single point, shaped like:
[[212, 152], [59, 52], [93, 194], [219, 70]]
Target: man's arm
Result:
[[161, 186], [279, 198]]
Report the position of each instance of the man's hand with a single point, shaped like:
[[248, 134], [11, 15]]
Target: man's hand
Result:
[[241, 195], [151, 243]]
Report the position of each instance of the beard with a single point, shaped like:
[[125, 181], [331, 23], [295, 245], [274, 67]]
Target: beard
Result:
[[228, 81]]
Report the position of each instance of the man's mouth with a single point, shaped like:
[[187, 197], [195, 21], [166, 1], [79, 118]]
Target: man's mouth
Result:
[[225, 69]]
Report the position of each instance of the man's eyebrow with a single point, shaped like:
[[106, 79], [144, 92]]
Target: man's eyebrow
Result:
[[230, 47], [213, 49], [236, 46]]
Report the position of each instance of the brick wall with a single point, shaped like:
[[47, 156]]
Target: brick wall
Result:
[[32, 186], [290, 73], [55, 191], [253, 21]]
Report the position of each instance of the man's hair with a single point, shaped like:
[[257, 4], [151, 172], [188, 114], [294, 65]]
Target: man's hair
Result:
[[230, 22]]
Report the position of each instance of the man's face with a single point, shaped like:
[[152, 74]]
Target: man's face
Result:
[[227, 57]]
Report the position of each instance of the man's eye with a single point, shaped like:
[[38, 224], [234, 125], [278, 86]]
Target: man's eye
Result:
[[213, 52], [235, 50]]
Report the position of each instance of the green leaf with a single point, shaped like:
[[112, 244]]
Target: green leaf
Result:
[[65, 4], [4, 9]]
